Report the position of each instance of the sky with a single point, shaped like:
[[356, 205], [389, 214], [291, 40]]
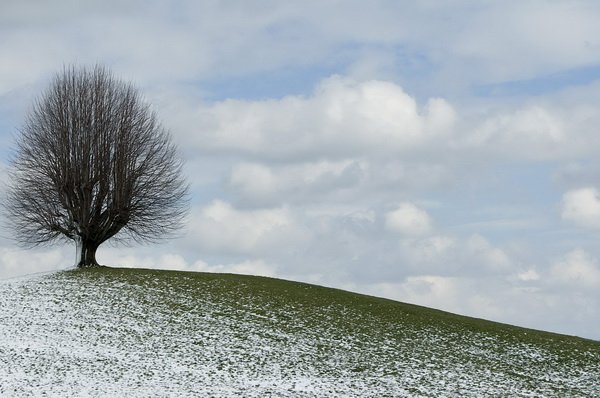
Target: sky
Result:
[[442, 153]]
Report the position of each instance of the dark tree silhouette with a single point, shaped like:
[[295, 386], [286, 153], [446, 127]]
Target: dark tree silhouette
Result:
[[93, 163]]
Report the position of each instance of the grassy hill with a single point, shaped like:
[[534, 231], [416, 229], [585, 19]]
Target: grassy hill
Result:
[[133, 332]]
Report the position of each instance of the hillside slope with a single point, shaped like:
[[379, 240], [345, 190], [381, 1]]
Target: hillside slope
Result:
[[132, 332]]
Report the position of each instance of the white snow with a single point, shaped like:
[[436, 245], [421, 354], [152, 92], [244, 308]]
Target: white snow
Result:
[[71, 337]]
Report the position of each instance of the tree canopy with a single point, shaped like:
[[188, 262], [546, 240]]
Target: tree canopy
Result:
[[93, 163]]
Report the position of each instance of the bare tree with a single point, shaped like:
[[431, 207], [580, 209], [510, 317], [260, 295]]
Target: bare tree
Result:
[[93, 163]]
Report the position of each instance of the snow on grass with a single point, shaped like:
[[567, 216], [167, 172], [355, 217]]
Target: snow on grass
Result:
[[139, 333]]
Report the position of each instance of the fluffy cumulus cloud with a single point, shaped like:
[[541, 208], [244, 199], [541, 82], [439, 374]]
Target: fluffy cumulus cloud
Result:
[[539, 132], [342, 118], [486, 254], [534, 132], [220, 227], [300, 182], [582, 207], [577, 268], [430, 250], [528, 275], [453, 256], [409, 220], [428, 290], [366, 180]]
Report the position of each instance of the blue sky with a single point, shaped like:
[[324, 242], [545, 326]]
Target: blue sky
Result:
[[440, 153]]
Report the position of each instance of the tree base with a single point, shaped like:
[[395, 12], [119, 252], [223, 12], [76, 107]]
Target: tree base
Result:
[[86, 253], [85, 265]]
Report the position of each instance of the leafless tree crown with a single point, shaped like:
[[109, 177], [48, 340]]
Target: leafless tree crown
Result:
[[93, 163]]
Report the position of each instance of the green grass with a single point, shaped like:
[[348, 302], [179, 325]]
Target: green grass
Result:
[[307, 339]]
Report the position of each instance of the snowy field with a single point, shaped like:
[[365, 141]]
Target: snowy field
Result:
[[139, 333]]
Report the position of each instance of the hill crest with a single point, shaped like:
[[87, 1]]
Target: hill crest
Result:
[[105, 331]]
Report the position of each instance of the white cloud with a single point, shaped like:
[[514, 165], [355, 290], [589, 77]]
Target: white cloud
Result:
[[408, 220], [582, 207], [460, 42], [560, 38], [487, 255], [220, 227], [454, 256], [427, 290], [343, 118], [577, 268], [531, 133], [170, 261], [302, 182], [562, 311], [441, 116], [430, 250], [529, 275], [255, 181], [556, 128]]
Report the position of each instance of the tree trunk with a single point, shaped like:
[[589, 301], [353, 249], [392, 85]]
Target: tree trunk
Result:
[[87, 255]]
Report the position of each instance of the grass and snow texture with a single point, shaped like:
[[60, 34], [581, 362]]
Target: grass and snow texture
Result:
[[140, 333]]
